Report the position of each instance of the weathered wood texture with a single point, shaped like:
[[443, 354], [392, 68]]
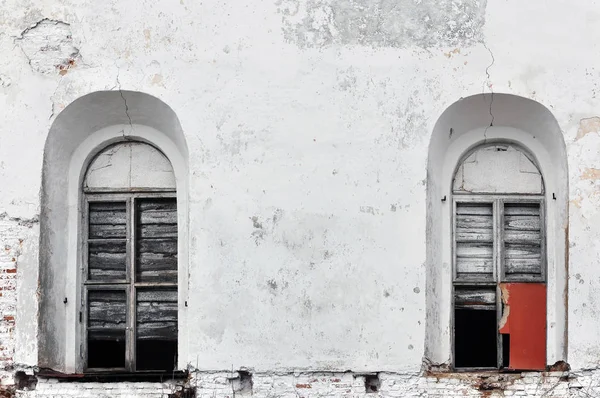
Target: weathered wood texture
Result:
[[156, 314], [522, 238], [156, 241], [107, 314], [107, 244], [474, 236], [107, 260], [107, 220], [476, 298]]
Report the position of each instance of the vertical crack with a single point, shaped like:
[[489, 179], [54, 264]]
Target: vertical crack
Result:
[[124, 102], [489, 85]]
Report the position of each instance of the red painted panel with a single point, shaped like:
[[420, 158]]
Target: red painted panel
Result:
[[524, 318]]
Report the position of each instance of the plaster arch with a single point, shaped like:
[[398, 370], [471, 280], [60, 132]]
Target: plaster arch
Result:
[[466, 124], [83, 129]]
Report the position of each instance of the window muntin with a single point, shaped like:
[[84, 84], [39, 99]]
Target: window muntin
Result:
[[499, 245], [129, 306]]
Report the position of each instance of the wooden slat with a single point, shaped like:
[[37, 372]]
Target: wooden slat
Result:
[[157, 231], [157, 313], [523, 265], [470, 222], [528, 237], [522, 209], [107, 309], [480, 209], [158, 211], [107, 260], [474, 268], [475, 298], [474, 235], [478, 250], [106, 334], [522, 223], [513, 250]]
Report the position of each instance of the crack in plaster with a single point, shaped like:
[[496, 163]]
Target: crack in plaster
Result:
[[125, 103], [490, 86]]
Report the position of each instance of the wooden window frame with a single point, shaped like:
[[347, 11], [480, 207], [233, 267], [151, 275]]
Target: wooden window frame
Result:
[[130, 285], [499, 274]]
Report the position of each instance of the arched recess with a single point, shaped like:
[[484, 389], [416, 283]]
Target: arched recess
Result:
[[80, 131], [468, 123]]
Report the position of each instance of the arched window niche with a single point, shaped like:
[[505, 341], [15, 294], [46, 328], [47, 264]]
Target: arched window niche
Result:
[[79, 140], [464, 129]]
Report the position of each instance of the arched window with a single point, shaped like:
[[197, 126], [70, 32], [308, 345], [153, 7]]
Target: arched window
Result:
[[129, 309], [514, 162], [499, 260]]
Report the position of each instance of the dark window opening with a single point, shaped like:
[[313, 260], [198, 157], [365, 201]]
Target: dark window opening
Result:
[[106, 353], [505, 350], [156, 355], [475, 337]]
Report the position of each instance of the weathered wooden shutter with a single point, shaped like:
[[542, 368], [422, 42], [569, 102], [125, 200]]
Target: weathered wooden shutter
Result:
[[106, 327], [523, 241], [156, 240], [474, 235], [156, 328], [107, 241], [156, 262]]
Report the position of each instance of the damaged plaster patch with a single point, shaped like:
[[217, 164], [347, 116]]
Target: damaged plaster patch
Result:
[[48, 46], [588, 125], [384, 23]]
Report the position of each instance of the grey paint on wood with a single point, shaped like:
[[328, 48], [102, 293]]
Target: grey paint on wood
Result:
[[480, 298], [107, 314], [156, 240], [143, 307], [156, 314], [474, 241]]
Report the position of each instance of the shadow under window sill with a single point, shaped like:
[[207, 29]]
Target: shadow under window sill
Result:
[[114, 377]]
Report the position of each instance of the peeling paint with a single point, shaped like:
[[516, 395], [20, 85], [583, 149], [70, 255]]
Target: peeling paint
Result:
[[590, 173], [48, 46], [588, 125], [387, 23]]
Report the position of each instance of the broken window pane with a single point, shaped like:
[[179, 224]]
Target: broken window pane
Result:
[[107, 322], [156, 335], [475, 335], [156, 240], [475, 330]]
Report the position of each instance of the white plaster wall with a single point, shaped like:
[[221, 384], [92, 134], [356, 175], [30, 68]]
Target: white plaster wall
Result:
[[308, 148]]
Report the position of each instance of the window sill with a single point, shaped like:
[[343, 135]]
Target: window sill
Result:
[[113, 377], [495, 374]]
